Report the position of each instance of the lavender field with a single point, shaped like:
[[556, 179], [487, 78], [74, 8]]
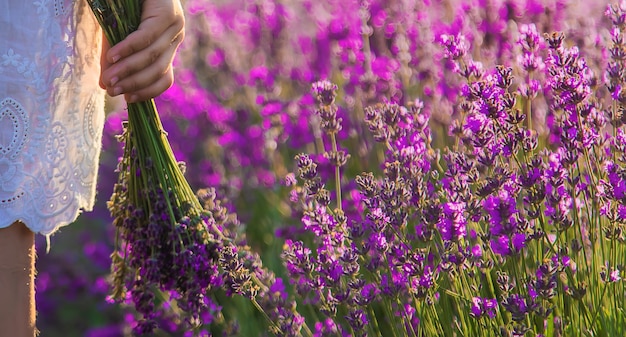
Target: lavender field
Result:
[[386, 168]]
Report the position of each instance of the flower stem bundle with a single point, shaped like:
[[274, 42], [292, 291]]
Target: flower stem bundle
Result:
[[169, 240]]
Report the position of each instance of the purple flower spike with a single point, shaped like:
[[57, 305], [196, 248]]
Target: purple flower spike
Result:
[[452, 224], [483, 307]]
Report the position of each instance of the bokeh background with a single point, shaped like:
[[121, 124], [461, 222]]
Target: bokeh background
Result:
[[241, 109]]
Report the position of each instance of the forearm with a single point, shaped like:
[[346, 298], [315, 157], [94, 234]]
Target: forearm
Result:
[[17, 271]]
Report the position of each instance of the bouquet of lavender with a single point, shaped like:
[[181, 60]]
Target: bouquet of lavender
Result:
[[172, 244]]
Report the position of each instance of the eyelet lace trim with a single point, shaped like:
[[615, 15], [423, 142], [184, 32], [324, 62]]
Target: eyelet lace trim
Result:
[[51, 114]]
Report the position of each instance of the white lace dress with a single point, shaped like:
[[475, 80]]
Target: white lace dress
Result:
[[51, 112]]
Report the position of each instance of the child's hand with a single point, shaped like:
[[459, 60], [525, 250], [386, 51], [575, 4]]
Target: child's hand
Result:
[[140, 67]]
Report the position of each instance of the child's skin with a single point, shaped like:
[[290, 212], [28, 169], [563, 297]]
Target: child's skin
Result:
[[140, 68], [17, 258]]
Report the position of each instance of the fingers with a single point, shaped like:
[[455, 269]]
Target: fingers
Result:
[[154, 89], [140, 70], [148, 34], [147, 83], [159, 18], [140, 66]]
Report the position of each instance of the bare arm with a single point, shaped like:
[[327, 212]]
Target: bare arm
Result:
[[17, 291]]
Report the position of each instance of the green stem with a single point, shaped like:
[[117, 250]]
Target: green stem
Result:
[[333, 139]]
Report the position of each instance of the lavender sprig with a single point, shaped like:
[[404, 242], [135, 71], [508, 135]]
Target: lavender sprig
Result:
[[170, 240]]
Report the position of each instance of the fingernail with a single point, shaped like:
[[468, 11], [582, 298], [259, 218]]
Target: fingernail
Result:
[[117, 91], [114, 80], [116, 58]]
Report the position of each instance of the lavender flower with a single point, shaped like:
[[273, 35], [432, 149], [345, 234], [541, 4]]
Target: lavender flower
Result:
[[483, 192], [452, 225], [483, 307]]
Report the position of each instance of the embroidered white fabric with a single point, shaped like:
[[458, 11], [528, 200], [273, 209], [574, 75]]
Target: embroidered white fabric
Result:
[[51, 112]]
